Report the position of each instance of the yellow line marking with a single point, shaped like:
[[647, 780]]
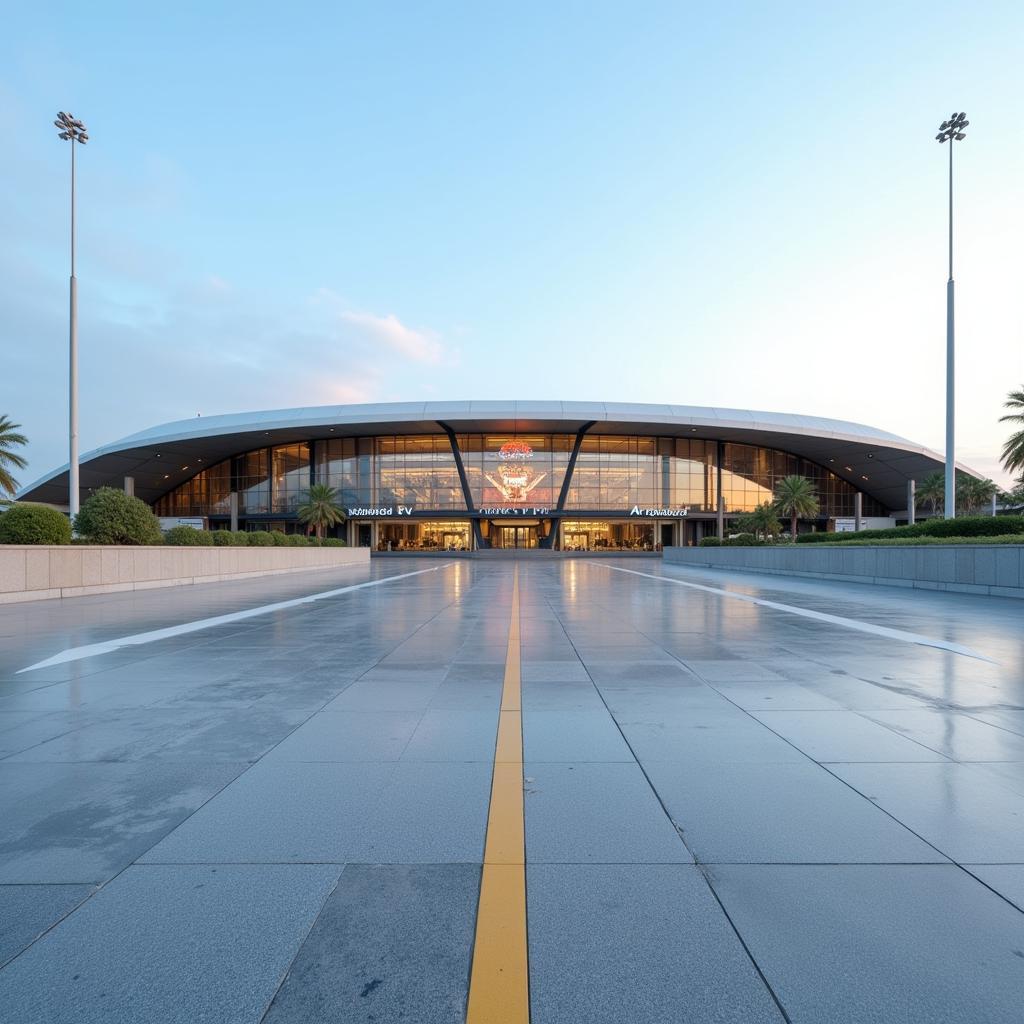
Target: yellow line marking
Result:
[[499, 986]]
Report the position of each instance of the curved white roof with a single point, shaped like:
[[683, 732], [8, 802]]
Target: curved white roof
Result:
[[876, 461]]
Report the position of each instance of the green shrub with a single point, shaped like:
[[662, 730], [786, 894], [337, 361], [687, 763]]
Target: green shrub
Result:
[[742, 540], [260, 539], [332, 542], [29, 523], [964, 526], [221, 538], [1013, 538], [112, 517], [229, 538], [279, 537], [298, 540], [188, 536], [710, 542]]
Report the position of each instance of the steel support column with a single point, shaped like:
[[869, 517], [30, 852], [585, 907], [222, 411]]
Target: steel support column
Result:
[[464, 480], [719, 456], [563, 494]]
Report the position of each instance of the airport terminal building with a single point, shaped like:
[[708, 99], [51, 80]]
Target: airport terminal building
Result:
[[433, 476]]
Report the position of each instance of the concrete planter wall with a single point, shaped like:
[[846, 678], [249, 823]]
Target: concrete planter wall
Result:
[[38, 572], [996, 569]]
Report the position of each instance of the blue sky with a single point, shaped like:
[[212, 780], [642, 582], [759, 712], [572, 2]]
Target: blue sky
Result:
[[735, 205]]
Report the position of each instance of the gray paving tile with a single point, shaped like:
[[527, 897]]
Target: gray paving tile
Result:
[[644, 673], [428, 813], [86, 822], [955, 735], [393, 943], [570, 671], [779, 813], [193, 737], [573, 736], [705, 736], [26, 911], [761, 696], [646, 944], [385, 695], [1008, 774], [1006, 879], [454, 736], [916, 944], [828, 736], [731, 670], [561, 696], [466, 696], [349, 736], [960, 810], [170, 944], [282, 812], [23, 730], [1012, 720], [596, 813]]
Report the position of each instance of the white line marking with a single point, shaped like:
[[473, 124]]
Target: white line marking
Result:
[[835, 620], [91, 650]]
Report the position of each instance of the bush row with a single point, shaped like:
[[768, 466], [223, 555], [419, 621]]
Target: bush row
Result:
[[1012, 538], [742, 540], [112, 517], [189, 536], [965, 526]]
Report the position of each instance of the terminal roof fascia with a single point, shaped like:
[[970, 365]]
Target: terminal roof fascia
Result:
[[180, 449]]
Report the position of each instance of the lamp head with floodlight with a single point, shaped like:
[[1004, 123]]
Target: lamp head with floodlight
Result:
[[71, 129], [953, 129]]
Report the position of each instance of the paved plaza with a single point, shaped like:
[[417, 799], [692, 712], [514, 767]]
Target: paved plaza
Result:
[[744, 799]]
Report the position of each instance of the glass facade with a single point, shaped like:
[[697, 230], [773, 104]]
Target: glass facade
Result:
[[417, 476], [424, 535], [417, 472], [515, 469], [750, 475], [602, 535]]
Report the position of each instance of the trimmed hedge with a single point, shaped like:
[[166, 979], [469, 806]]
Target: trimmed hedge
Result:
[[279, 537], [188, 536], [965, 526], [1013, 538], [332, 542], [260, 539], [112, 517], [29, 523], [229, 539], [710, 542]]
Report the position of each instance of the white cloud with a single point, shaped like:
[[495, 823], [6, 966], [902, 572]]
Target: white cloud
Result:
[[420, 345]]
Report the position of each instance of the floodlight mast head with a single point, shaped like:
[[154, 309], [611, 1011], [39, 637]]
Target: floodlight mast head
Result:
[[953, 129], [71, 129]]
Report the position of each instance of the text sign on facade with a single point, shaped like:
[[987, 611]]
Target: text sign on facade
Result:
[[659, 513], [381, 512]]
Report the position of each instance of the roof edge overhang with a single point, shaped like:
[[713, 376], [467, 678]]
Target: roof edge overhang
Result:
[[876, 462]]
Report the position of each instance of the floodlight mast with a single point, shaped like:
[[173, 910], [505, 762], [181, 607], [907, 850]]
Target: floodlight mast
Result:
[[70, 129], [951, 131]]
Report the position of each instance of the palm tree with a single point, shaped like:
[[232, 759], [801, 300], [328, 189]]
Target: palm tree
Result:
[[320, 509], [795, 497], [973, 494], [932, 491], [1014, 497], [1013, 450], [763, 521], [9, 440]]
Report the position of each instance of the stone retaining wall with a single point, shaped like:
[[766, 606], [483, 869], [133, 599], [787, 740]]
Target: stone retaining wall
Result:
[[38, 572], [996, 569]]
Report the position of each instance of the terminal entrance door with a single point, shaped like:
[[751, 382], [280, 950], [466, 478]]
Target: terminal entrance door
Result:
[[514, 536]]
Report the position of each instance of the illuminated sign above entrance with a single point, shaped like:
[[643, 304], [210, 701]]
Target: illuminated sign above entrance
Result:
[[517, 478], [659, 513]]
